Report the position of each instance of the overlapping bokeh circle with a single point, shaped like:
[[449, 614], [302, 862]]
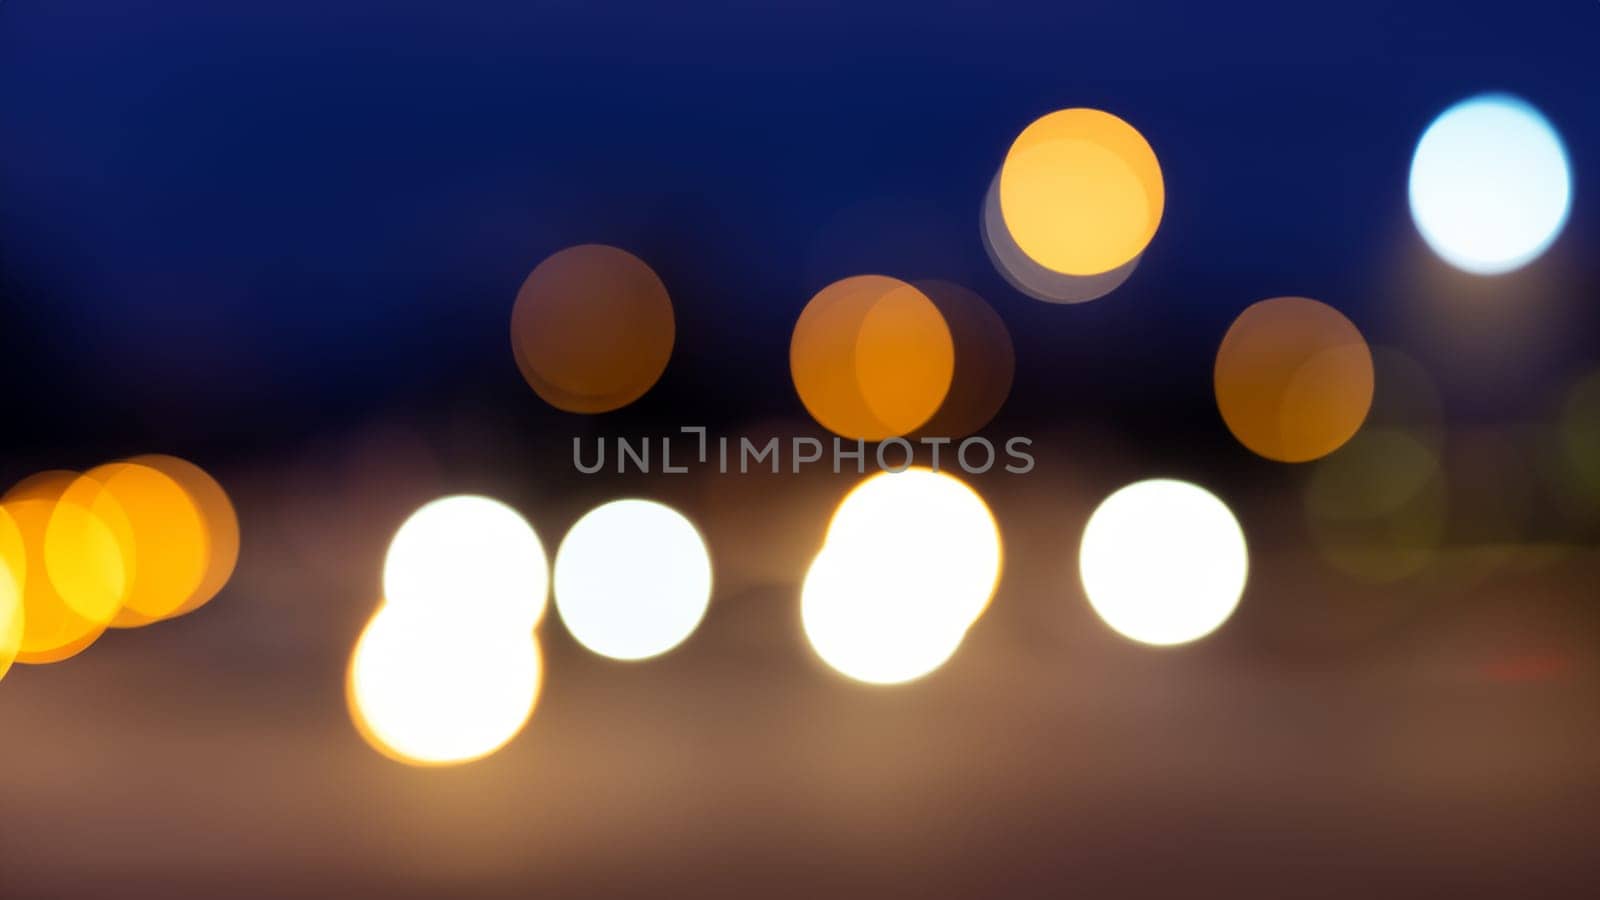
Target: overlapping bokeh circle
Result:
[[122, 545]]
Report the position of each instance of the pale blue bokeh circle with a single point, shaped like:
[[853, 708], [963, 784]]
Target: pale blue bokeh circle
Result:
[[1491, 185]]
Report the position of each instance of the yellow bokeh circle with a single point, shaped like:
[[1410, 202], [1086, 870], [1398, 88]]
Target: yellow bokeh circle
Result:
[[166, 536], [90, 550], [53, 629], [13, 575], [220, 529], [1081, 192], [123, 545]]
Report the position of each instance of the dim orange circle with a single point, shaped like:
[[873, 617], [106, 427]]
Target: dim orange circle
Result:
[[871, 358], [1293, 379], [592, 329], [1081, 192], [985, 361]]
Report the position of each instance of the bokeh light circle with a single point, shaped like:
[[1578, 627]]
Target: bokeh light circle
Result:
[[985, 360], [909, 563], [1293, 379], [1491, 184], [424, 693], [90, 551], [867, 627], [220, 526], [632, 579], [13, 575], [1028, 276], [473, 557], [932, 531], [871, 357], [53, 630], [1163, 562], [592, 329], [165, 536], [1081, 192]]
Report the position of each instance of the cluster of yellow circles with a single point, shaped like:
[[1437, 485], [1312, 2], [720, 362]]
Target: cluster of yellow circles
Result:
[[122, 545]]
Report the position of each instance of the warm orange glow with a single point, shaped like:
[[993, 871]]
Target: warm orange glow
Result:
[[52, 629], [220, 525], [13, 574], [90, 551], [1081, 192], [985, 361], [1293, 379], [592, 329], [871, 357], [164, 525]]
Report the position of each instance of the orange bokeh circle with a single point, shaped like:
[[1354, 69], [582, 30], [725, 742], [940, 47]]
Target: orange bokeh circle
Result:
[[871, 357], [592, 329], [1293, 379]]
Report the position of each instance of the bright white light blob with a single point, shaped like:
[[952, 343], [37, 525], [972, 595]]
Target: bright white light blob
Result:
[[866, 626], [1163, 562], [931, 532], [632, 579], [425, 694], [473, 557], [1491, 185], [910, 562]]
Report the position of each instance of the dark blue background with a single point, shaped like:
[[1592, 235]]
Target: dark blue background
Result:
[[228, 226]]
